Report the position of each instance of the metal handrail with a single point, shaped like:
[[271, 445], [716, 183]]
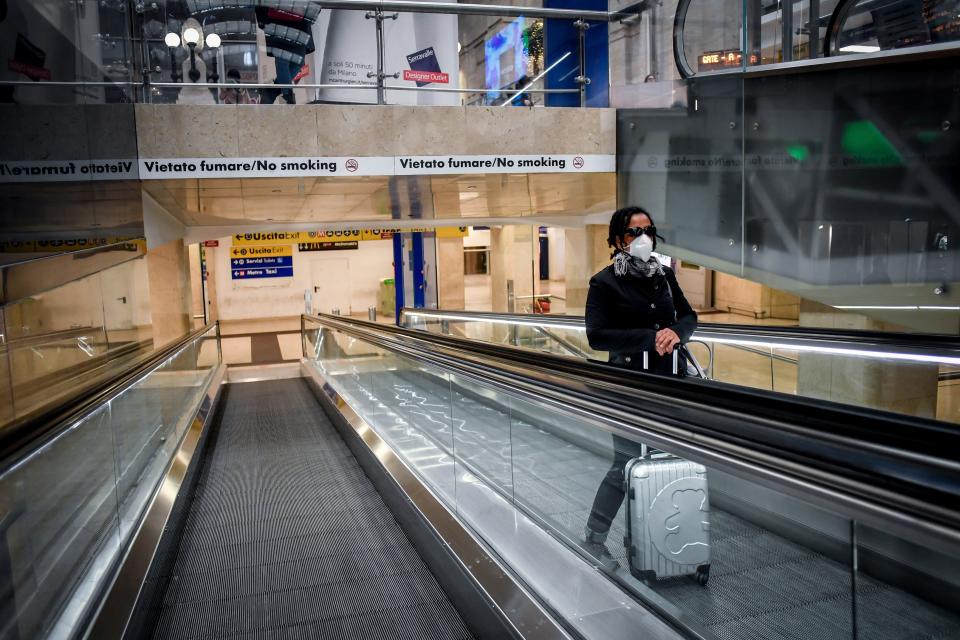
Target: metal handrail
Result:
[[21, 438], [891, 471], [411, 6], [857, 342]]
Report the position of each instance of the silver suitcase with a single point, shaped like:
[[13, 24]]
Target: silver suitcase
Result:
[[668, 517]]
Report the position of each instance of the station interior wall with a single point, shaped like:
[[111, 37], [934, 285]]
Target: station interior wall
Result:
[[348, 280]]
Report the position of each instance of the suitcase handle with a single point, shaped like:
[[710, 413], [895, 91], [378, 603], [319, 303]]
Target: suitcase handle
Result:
[[675, 365]]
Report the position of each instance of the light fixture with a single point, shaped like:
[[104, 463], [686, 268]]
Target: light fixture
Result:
[[212, 40], [859, 48], [172, 40], [191, 36]]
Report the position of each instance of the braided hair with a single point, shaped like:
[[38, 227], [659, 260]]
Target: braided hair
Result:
[[620, 222]]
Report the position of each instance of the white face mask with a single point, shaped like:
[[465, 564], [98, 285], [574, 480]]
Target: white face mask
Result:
[[641, 248]]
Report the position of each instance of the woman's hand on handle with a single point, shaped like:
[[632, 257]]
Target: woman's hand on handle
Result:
[[666, 340]]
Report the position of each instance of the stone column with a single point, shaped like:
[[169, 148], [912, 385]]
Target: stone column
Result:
[[450, 275], [169, 271], [512, 260], [586, 253], [908, 388]]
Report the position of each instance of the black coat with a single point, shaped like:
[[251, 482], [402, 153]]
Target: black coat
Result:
[[625, 312]]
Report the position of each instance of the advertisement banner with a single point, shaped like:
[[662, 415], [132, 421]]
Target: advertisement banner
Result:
[[420, 47]]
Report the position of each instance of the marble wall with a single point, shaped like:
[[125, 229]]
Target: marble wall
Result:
[[211, 131], [737, 295], [902, 387], [170, 292], [450, 273], [586, 253]]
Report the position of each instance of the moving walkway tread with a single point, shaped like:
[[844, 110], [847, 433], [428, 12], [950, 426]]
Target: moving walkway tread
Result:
[[286, 537]]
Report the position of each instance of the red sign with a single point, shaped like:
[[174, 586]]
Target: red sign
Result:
[[426, 76], [578, 163], [352, 165], [303, 73], [211, 243], [29, 70]]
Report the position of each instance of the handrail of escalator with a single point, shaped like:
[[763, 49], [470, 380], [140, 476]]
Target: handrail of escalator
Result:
[[20, 438], [896, 471], [881, 341]]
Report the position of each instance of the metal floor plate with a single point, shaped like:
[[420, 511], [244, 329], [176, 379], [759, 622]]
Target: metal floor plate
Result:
[[287, 538]]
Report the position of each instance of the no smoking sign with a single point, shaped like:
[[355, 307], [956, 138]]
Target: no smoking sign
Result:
[[578, 163]]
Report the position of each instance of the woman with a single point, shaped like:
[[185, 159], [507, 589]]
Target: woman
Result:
[[634, 306]]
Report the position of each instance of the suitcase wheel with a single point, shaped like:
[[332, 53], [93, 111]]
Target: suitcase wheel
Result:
[[703, 574]]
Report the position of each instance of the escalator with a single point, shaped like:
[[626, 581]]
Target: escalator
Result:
[[400, 484]]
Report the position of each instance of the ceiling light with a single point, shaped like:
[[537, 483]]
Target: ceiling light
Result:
[[859, 48], [213, 40], [191, 36], [171, 40]]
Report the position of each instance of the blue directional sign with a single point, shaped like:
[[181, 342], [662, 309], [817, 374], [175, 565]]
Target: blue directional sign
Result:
[[245, 273], [276, 261]]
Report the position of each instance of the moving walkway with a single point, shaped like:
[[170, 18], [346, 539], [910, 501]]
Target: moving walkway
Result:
[[403, 484]]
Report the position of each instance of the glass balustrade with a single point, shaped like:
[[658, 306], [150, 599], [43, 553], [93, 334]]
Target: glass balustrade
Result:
[[916, 381], [526, 474], [69, 508]]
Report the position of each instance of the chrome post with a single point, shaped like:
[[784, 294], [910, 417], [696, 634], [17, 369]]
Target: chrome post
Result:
[[379, 16], [372, 314], [676, 360], [582, 79], [445, 327]]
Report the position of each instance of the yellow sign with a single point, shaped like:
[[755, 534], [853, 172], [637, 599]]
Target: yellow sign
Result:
[[59, 245], [272, 238], [261, 252]]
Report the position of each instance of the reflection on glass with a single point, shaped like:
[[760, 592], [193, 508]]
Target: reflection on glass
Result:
[[863, 26], [408, 404], [70, 336], [779, 565], [67, 509]]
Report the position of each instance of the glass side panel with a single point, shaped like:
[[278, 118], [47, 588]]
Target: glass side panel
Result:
[[148, 421], [901, 381], [72, 335], [67, 510], [577, 511], [407, 403], [60, 523]]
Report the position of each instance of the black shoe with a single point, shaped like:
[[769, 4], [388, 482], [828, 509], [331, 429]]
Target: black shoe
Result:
[[600, 552]]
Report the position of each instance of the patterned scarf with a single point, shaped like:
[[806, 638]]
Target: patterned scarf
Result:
[[624, 263]]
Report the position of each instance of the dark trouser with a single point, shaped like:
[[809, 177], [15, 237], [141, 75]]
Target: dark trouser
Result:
[[610, 494], [286, 70]]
